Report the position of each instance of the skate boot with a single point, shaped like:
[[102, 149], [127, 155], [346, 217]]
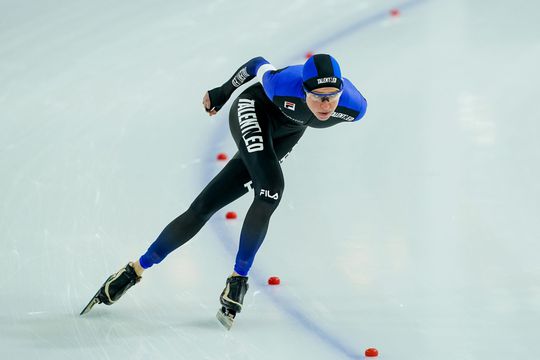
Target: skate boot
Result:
[[232, 299], [114, 287]]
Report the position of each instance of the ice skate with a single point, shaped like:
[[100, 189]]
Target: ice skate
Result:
[[232, 299], [114, 287]]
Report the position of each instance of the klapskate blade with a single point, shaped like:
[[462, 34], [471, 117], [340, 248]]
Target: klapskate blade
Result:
[[225, 320], [94, 301]]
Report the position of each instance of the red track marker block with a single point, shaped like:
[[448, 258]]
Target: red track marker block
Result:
[[231, 215], [372, 352], [274, 280], [394, 12], [221, 156]]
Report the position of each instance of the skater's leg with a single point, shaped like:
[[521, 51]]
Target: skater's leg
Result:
[[226, 187], [283, 146], [252, 131]]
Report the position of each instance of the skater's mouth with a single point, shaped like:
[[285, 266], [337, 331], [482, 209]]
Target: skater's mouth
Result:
[[323, 115]]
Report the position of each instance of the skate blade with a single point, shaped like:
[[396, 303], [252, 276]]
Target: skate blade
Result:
[[225, 320], [94, 301]]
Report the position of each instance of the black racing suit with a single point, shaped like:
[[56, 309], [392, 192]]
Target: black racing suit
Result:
[[264, 133]]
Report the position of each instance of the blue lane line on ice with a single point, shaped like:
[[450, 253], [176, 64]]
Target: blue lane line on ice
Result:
[[363, 23], [230, 241]]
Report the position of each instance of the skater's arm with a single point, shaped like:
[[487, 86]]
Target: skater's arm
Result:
[[352, 101], [214, 99]]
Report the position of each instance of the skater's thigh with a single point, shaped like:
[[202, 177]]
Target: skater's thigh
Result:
[[252, 132], [228, 185]]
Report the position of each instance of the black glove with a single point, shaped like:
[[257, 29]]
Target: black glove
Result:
[[217, 98]]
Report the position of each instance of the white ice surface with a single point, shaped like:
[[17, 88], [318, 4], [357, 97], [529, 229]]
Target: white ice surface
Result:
[[414, 231]]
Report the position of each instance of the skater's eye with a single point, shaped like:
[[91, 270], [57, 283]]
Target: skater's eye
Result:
[[320, 97]]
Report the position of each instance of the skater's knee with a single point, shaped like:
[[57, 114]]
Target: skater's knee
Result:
[[270, 192], [268, 198]]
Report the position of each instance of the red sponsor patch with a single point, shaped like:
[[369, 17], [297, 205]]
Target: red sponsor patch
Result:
[[289, 105]]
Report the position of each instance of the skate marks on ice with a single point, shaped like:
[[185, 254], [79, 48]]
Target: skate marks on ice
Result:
[[52, 334]]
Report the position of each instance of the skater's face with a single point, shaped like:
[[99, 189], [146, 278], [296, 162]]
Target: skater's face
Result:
[[322, 102]]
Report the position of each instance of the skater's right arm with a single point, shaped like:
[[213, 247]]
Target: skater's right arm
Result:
[[214, 99]]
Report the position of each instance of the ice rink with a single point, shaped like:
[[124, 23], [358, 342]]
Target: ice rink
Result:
[[414, 231]]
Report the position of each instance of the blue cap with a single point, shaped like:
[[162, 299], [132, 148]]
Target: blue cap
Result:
[[321, 70]]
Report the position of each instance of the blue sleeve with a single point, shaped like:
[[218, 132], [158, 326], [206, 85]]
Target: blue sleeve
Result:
[[283, 82], [353, 100], [269, 82], [363, 108], [253, 65]]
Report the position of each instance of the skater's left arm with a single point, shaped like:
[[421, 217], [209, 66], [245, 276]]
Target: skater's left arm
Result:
[[215, 99], [352, 104]]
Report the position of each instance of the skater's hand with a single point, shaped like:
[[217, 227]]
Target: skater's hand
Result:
[[208, 106]]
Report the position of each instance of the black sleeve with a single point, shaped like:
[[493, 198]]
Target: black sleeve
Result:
[[246, 72]]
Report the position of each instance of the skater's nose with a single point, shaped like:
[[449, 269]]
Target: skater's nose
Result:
[[325, 105]]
